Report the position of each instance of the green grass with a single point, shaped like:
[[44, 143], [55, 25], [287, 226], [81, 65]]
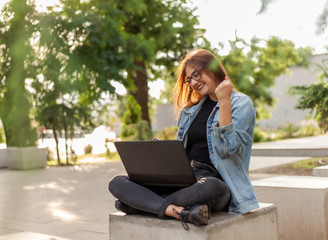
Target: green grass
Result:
[[309, 164], [303, 167]]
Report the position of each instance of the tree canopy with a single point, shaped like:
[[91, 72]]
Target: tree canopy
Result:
[[253, 68], [315, 98]]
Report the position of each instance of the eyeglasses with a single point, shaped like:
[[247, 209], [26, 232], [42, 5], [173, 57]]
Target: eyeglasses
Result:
[[195, 76]]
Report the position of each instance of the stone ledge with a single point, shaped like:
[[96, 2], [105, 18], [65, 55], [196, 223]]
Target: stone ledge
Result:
[[221, 226], [289, 152], [301, 202], [3, 158], [26, 158], [320, 171]]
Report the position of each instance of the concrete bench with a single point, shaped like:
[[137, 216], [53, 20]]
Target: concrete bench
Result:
[[258, 224], [302, 204], [26, 158], [320, 171], [3, 158]]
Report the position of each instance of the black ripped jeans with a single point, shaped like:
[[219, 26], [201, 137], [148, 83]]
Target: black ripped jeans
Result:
[[209, 190]]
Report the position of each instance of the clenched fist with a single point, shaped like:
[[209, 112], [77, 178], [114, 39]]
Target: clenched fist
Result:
[[224, 90]]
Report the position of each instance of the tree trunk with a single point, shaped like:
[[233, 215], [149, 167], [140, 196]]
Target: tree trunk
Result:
[[57, 146], [66, 145], [141, 94], [15, 105]]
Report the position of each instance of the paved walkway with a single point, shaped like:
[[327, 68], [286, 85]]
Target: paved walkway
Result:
[[73, 202], [68, 202]]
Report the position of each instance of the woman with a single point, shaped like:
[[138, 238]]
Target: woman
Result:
[[216, 126]]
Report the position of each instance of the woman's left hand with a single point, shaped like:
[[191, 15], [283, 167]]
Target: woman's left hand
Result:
[[224, 90]]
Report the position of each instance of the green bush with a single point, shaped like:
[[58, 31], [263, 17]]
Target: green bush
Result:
[[137, 131], [310, 129], [133, 111], [288, 131], [88, 149], [259, 135], [133, 127]]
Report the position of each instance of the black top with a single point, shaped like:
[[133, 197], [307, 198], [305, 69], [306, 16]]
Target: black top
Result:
[[197, 147]]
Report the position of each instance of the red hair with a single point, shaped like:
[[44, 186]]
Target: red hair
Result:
[[202, 59]]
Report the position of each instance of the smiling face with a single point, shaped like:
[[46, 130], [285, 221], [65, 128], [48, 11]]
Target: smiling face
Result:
[[206, 84]]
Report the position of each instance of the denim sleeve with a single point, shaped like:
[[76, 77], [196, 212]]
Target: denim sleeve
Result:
[[232, 139]]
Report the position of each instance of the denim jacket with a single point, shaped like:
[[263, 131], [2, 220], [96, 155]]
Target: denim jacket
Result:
[[229, 147]]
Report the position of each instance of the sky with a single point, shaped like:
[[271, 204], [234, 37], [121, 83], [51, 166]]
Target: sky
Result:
[[293, 20]]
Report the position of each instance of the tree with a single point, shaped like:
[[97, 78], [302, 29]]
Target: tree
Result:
[[305, 53], [112, 38], [164, 32], [315, 98], [60, 118], [16, 29], [80, 53]]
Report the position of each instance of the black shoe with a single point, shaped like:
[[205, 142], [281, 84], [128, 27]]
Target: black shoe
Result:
[[125, 208], [198, 215]]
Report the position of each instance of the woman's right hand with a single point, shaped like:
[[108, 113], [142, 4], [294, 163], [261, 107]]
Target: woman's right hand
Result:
[[224, 90]]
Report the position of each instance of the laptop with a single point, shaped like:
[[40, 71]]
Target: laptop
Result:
[[161, 163]]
